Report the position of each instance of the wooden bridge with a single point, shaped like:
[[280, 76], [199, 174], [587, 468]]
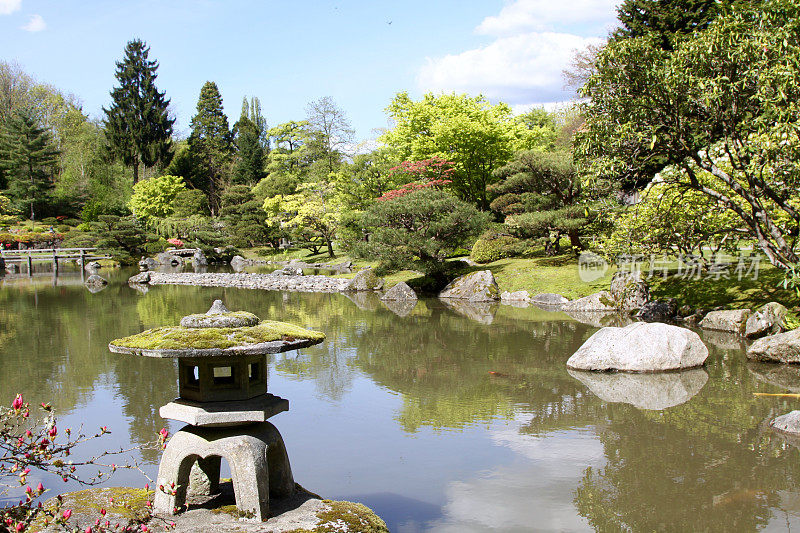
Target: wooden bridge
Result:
[[51, 255]]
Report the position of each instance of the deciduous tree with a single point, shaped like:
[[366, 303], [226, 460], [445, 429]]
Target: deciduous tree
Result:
[[723, 104]]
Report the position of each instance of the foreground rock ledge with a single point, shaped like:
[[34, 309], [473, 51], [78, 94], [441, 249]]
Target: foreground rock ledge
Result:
[[640, 347], [304, 512]]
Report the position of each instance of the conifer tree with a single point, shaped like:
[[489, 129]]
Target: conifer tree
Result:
[[137, 123], [250, 132], [210, 144], [28, 159], [666, 20]]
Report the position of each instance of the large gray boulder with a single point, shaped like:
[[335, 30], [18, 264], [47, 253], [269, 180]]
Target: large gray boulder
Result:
[[400, 292], [640, 347], [629, 291], [475, 287], [599, 301], [780, 348], [365, 280], [767, 320], [733, 320], [645, 391]]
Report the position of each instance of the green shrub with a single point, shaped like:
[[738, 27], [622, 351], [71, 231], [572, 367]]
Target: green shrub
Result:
[[493, 246], [84, 226], [50, 221], [71, 222], [63, 228], [267, 251]]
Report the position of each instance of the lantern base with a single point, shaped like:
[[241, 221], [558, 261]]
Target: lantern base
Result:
[[256, 455]]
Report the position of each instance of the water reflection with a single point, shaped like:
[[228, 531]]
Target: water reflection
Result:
[[440, 420], [645, 391]]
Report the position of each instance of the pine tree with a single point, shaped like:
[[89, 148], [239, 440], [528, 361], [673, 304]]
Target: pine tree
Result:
[[210, 144], [250, 132], [137, 123], [28, 159]]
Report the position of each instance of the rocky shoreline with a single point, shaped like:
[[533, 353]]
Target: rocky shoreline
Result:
[[268, 282]]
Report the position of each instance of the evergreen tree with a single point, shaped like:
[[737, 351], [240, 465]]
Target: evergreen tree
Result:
[[666, 20], [137, 124], [250, 132], [28, 160], [210, 144]]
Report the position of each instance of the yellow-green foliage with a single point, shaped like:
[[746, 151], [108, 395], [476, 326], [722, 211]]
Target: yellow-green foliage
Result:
[[122, 504], [492, 246], [177, 337]]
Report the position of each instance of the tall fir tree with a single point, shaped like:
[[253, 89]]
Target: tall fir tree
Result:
[[28, 159], [137, 123], [210, 144], [250, 137]]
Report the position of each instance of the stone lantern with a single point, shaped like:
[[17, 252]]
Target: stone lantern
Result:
[[223, 399]]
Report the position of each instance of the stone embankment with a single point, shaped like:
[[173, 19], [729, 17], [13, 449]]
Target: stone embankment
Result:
[[268, 282]]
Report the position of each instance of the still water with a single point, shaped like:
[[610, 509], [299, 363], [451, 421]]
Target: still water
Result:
[[445, 419]]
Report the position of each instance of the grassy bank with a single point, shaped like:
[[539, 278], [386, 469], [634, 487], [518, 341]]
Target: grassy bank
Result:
[[559, 274]]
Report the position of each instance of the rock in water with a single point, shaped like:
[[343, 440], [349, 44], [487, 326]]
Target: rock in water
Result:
[[628, 291], [400, 292], [516, 296], [788, 423], [640, 347], [475, 287], [199, 258], [549, 298], [780, 348], [365, 280], [599, 301], [768, 320], [658, 311], [645, 391], [96, 281], [733, 320]]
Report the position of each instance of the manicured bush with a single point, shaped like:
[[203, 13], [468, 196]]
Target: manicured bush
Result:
[[50, 221], [493, 246], [63, 228]]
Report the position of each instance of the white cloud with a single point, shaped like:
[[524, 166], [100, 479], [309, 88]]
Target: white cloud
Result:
[[534, 41], [36, 23], [9, 6], [540, 15], [521, 69]]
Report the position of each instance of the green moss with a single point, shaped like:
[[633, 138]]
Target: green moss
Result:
[[233, 511], [121, 504], [177, 337], [346, 516]]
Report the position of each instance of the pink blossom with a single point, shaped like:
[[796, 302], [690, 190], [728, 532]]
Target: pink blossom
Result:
[[67, 514], [40, 487], [53, 432], [17, 403]]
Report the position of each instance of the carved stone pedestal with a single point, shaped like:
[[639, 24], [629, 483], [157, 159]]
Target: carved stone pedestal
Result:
[[256, 456]]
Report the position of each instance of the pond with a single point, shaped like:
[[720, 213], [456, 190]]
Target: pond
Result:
[[445, 419]]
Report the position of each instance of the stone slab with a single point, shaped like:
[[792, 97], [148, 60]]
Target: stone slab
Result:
[[224, 414]]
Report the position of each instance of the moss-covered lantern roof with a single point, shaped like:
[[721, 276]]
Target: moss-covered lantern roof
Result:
[[218, 333]]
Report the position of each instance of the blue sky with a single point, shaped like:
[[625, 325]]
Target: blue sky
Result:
[[360, 53]]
